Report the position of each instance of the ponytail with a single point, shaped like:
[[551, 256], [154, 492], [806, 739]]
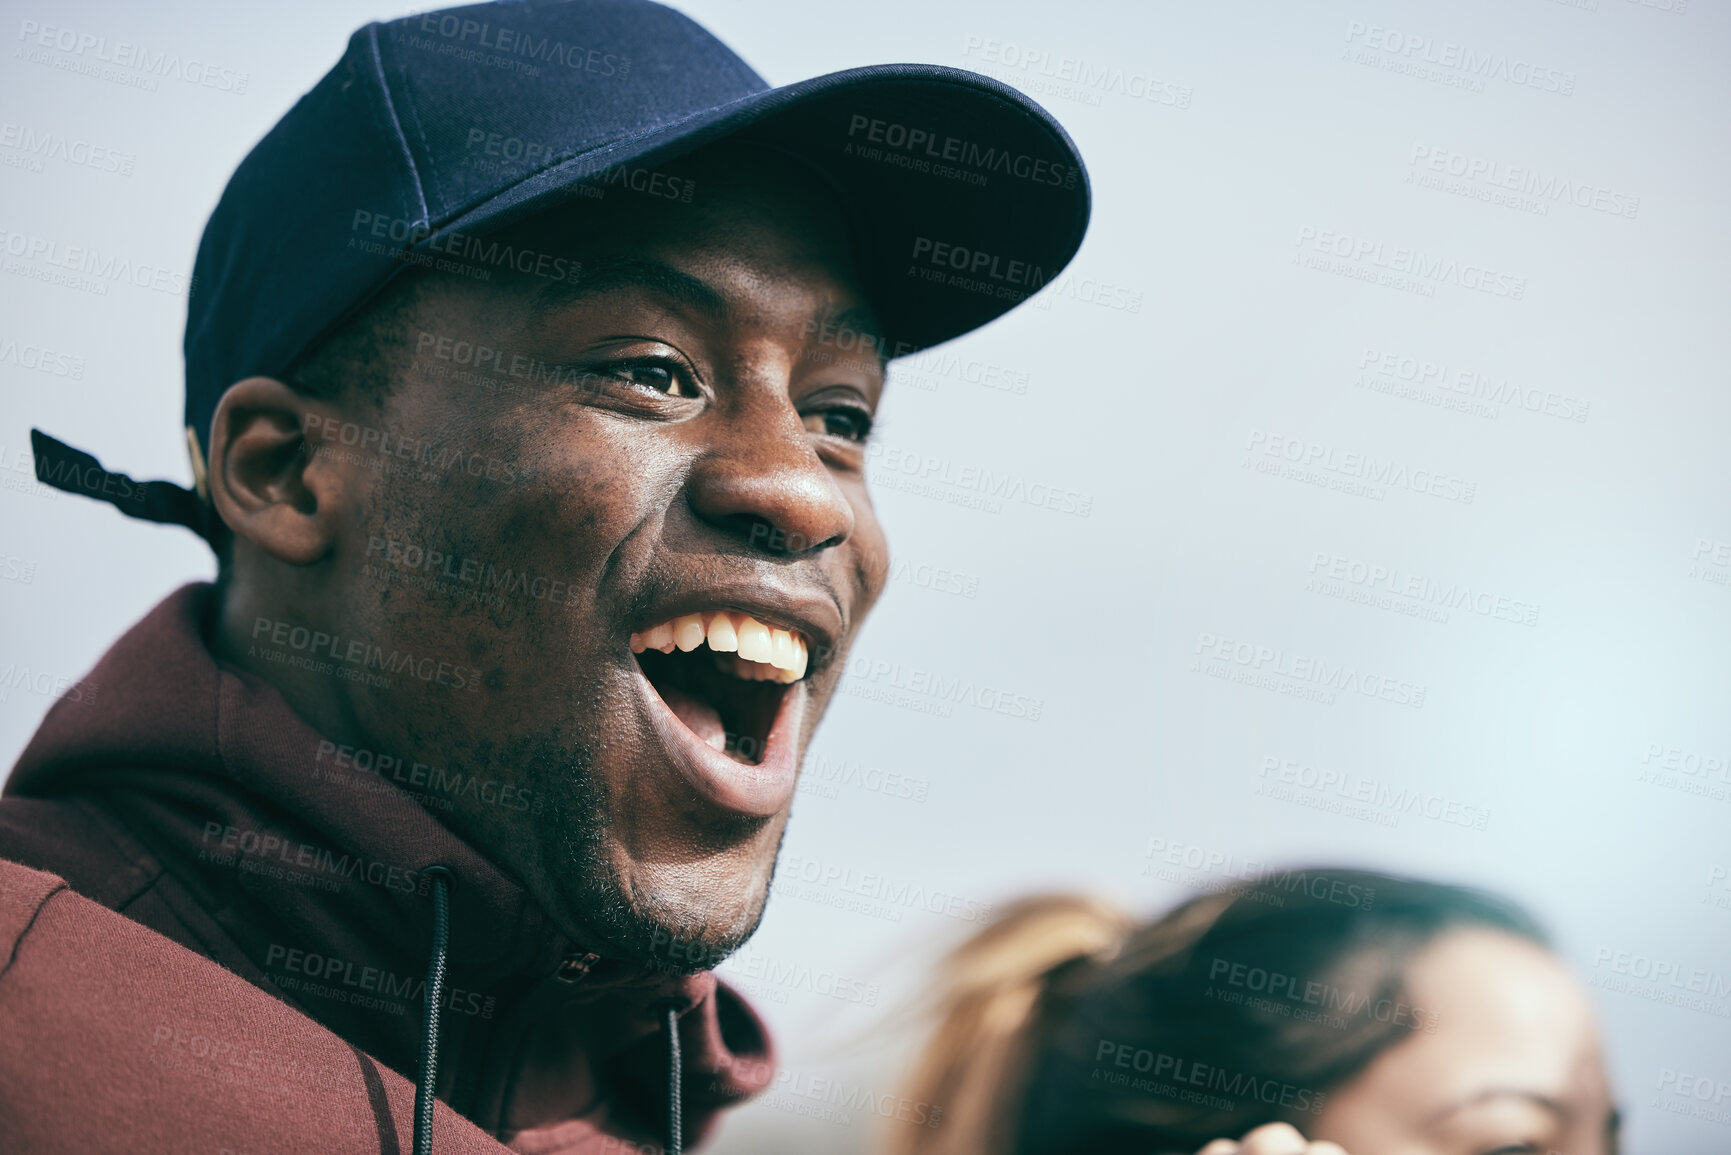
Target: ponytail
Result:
[[988, 992]]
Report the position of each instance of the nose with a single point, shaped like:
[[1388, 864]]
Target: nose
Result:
[[763, 484]]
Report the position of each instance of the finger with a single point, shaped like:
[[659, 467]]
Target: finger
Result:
[[1324, 1147], [1220, 1147], [1273, 1139]]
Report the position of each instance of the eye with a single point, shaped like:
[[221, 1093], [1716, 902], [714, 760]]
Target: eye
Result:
[[665, 377], [845, 421]]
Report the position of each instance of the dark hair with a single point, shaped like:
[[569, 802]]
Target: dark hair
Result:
[[1239, 1008], [363, 357]]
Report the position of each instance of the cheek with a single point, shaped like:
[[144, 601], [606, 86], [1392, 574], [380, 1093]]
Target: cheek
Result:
[[870, 548], [587, 472], [580, 495]]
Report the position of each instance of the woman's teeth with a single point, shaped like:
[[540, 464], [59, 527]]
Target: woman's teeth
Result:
[[764, 653]]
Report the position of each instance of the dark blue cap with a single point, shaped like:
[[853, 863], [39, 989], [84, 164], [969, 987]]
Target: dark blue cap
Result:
[[434, 131]]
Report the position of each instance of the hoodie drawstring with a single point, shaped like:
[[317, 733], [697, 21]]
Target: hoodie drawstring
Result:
[[435, 997], [675, 1125]]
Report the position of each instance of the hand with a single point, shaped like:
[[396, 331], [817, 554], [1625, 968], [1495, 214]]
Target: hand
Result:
[[1272, 1139]]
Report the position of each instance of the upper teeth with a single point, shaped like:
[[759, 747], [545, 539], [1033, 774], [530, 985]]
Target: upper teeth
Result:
[[783, 652]]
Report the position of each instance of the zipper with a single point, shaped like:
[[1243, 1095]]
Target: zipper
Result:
[[576, 965]]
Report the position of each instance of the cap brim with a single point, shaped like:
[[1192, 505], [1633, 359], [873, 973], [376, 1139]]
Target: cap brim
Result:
[[965, 195]]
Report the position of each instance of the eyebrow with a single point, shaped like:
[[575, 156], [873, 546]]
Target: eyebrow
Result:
[[612, 273], [1555, 1107]]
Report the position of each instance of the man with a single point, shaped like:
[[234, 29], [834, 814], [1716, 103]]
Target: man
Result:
[[530, 361]]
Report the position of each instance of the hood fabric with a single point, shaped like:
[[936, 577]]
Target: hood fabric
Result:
[[191, 798]]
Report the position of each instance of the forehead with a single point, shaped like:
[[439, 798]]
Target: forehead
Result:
[[1506, 1011]]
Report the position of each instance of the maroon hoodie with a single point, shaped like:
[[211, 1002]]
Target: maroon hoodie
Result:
[[275, 1000]]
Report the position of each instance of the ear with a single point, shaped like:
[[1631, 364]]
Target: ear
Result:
[[265, 482]]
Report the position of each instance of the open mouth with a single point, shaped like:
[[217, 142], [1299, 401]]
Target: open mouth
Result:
[[724, 675]]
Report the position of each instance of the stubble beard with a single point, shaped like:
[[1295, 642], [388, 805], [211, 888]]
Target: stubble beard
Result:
[[636, 921]]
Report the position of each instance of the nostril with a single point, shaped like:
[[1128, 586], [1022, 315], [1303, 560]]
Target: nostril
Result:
[[780, 505], [773, 539]]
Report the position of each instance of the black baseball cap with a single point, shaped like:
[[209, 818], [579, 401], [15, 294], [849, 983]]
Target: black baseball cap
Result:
[[436, 131]]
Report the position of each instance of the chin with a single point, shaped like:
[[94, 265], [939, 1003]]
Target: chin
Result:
[[676, 918], [675, 894], [693, 926]]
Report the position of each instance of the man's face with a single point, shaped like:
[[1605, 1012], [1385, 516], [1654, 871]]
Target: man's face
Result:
[[675, 434]]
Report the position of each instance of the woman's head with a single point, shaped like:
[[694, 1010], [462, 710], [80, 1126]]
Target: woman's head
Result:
[[1512, 1065], [1400, 1015]]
